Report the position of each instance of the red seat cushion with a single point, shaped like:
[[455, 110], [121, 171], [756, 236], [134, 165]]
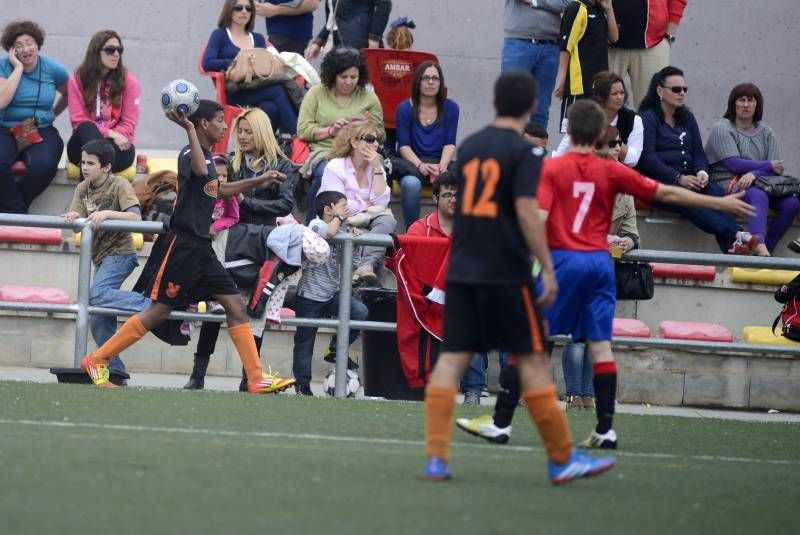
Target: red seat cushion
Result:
[[33, 294], [47, 236], [689, 330], [287, 313], [630, 327], [18, 168], [684, 271]]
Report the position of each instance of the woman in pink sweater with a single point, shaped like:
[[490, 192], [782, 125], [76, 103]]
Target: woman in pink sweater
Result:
[[104, 101]]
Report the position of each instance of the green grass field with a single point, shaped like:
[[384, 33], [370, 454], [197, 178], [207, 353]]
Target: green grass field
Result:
[[75, 459]]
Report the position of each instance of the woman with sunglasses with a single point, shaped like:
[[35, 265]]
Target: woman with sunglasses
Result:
[[672, 153], [609, 91], [355, 169], [29, 83], [104, 101], [427, 124], [741, 146], [235, 33]]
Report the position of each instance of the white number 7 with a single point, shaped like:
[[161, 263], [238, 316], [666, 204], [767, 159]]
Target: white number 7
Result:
[[585, 190]]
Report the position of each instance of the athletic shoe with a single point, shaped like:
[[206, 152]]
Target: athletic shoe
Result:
[[606, 441], [330, 357], [269, 384], [573, 403], [578, 466], [483, 426], [588, 403], [437, 469], [365, 275], [794, 245], [302, 389], [744, 243], [98, 373], [215, 307], [472, 399]]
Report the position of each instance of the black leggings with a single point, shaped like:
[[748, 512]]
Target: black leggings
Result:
[[88, 131]]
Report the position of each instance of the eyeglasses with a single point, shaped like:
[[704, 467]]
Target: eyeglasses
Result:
[[613, 144], [677, 89], [242, 7], [111, 50], [430, 79], [447, 196], [370, 138]]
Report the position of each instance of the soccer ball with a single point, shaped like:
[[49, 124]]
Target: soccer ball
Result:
[[353, 384], [180, 96]]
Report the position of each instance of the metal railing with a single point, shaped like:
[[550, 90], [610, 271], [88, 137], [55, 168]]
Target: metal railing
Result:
[[82, 309]]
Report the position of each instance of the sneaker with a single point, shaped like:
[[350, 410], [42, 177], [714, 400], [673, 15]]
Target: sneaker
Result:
[[269, 384], [744, 243], [606, 441], [98, 373], [472, 399], [588, 403], [794, 245], [365, 275], [573, 402], [483, 426], [215, 307], [330, 357], [187, 328], [302, 389], [437, 469], [579, 465]]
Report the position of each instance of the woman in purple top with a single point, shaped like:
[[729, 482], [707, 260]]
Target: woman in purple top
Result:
[[743, 148], [234, 33], [426, 137]]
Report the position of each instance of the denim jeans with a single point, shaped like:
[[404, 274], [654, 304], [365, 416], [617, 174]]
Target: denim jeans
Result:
[[274, 101], [41, 161], [410, 192], [314, 189], [577, 364], [304, 336], [474, 379], [105, 292], [541, 60]]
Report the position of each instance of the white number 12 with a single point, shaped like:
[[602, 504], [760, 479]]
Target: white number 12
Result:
[[585, 190]]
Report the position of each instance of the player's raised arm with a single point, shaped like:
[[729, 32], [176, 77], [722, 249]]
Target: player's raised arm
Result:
[[532, 225]]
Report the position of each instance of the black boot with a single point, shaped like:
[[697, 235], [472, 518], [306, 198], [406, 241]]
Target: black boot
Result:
[[197, 378]]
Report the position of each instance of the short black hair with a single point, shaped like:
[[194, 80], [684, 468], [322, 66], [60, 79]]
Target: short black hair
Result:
[[339, 60], [207, 109], [514, 93], [102, 148], [16, 28], [326, 198], [445, 179], [587, 121], [536, 130]]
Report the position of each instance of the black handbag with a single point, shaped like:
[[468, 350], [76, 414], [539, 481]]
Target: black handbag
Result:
[[778, 186], [634, 280]]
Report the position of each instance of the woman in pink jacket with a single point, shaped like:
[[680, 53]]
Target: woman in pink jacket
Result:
[[355, 168], [104, 101]]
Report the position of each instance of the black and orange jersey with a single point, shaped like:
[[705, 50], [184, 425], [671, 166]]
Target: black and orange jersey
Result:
[[196, 196], [584, 34], [495, 166]]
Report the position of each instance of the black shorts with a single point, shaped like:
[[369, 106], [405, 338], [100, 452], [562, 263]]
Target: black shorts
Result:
[[482, 317], [189, 270]]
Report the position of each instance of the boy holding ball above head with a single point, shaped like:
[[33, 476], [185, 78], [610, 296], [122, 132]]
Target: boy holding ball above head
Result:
[[185, 265]]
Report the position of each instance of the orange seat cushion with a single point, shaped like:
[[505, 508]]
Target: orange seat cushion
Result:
[[46, 236], [630, 327], [33, 294], [689, 330], [684, 271]]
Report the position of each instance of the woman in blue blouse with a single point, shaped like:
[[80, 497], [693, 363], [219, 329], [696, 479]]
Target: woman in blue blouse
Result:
[[426, 136], [28, 86], [672, 153], [234, 33]]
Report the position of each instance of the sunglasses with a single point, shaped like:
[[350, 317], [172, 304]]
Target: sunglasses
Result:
[[370, 138], [677, 89], [613, 144], [111, 50], [242, 7]]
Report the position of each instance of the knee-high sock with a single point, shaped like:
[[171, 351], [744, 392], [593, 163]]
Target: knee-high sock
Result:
[[242, 338], [507, 396], [545, 412], [439, 405], [127, 335], [605, 391]]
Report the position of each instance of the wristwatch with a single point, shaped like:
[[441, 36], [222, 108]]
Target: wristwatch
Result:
[[341, 218], [670, 38]]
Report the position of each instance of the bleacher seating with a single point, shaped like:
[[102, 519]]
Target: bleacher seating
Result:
[[138, 240], [683, 271], [758, 334], [36, 235], [770, 277], [155, 165], [33, 294], [74, 172], [690, 330], [630, 327]]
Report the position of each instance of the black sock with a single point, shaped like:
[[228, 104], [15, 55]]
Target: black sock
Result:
[[258, 341], [507, 396], [605, 391]]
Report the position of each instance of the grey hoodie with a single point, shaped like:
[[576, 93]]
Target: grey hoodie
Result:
[[522, 21]]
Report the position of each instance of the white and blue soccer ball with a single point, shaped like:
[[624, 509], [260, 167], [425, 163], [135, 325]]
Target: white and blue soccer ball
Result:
[[180, 96], [353, 383]]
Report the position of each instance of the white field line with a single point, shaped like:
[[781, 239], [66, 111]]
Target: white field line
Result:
[[368, 440]]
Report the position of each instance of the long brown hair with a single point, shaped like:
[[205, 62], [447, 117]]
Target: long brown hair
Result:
[[226, 15], [90, 71], [416, 91]]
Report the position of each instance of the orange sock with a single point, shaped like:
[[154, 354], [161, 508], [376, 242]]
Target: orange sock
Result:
[[439, 405], [543, 407], [242, 338], [127, 335]]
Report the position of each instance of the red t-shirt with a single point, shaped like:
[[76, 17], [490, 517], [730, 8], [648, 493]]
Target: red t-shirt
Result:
[[578, 191], [427, 226]]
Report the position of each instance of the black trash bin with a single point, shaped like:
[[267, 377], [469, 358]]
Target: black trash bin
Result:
[[382, 373]]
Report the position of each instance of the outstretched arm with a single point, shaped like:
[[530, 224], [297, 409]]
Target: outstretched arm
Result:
[[731, 204], [229, 189]]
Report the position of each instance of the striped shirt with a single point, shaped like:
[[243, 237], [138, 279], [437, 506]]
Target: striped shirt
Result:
[[321, 283]]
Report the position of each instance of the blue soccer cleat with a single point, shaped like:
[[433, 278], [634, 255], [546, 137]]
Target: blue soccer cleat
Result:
[[579, 465], [437, 469]]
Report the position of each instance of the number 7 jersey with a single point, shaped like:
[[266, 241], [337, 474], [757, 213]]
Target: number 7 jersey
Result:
[[578, 191], [495, 166]]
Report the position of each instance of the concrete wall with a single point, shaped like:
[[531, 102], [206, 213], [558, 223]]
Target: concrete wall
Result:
[[720, 43]]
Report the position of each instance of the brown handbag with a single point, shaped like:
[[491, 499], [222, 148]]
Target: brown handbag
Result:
[[254, 63]]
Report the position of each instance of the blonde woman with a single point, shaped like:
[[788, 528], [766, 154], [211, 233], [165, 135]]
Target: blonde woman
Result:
[[355, 169], [256, 151]]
